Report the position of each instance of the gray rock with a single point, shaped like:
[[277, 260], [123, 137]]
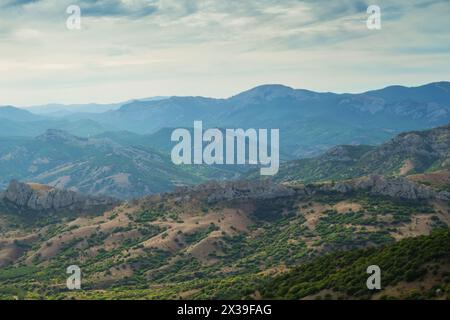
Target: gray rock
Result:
[[387, 186], [40, 197]]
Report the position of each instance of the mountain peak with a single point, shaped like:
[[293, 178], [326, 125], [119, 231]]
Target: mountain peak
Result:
[[436, 92], [267, 92], [17, 114]]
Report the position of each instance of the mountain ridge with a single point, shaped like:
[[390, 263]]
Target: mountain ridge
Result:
[[309, 122], [27, 197], [408, 153]]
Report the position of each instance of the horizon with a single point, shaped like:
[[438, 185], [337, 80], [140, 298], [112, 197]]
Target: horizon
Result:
[[131, 99]]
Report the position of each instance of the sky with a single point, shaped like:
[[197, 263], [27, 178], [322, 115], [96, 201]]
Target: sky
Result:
[[129, 49]]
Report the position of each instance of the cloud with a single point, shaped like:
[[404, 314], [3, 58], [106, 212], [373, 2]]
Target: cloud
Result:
[[118, 8], [14, 3], [129, 48]]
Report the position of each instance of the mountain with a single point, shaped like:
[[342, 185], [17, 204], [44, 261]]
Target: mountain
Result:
[[96, 165], [437, 92], [408, 153], [310, 122], [18, 115], [233, 240], [15, 122], [62, 110]]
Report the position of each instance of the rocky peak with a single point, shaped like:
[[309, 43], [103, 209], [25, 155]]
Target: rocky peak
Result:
[[231, 190], [271, 92], [342, 153], [41, 197], [56, 135], [399, 187]]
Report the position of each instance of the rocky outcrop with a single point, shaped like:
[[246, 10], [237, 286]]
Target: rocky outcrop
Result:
[[223, 191], [376, 185], [400, 188], [40, 197]]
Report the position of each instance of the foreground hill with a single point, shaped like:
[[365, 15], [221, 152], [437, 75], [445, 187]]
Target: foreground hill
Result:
[[212, 241], [30, 204], [415, 268], [408, 153]]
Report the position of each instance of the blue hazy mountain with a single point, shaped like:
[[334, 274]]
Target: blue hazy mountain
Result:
[[15, 122], [18, 115], [62, 110], [309, 122]]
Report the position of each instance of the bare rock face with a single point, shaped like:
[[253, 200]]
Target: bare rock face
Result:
[[41, 197], [376, 185], [400, 188], [224, 191]]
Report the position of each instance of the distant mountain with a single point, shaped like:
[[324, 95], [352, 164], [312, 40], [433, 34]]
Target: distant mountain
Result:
[[309, 122], [10, 128], [62, 110], [408, 153], [15, 122], [95, 165], [18, 115], [437, 92]]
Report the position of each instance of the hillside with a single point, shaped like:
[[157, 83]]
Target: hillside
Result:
[[214, 240], [415, 268], [32, 203], [406, 154], [95, 166]]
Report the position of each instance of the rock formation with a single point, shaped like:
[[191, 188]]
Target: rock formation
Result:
[[40, 197]]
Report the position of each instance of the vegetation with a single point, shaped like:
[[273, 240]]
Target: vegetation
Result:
[[345, 274]]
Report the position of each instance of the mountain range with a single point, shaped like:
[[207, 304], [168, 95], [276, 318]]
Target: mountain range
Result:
[[232, 240], [309, 122], [123, 150], [125, 166], [96, 165]]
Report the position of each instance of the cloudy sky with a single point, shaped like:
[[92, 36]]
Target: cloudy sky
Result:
[[141, 48]]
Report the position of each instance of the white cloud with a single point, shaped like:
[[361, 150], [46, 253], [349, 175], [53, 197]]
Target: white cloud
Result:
[[216, 48]]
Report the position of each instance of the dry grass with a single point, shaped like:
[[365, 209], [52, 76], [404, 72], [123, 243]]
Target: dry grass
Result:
[[438, 179]]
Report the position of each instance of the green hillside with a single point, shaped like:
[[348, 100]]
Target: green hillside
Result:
[[424, 259], [408, 153]]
